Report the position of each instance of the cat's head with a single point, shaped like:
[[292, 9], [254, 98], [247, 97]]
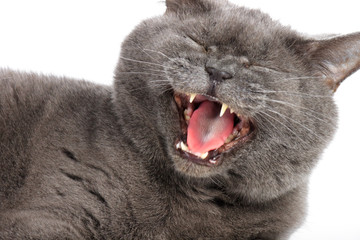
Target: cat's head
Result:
[[232, 94]]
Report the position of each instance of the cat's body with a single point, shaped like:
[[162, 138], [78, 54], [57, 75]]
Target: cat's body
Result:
[[82, 161], [73, 171]]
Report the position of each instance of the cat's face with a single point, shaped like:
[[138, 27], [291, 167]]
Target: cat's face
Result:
[[235, 95]]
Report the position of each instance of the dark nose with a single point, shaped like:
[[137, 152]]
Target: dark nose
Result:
[[217, 75]]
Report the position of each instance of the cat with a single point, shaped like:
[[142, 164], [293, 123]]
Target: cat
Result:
[[216, 118]]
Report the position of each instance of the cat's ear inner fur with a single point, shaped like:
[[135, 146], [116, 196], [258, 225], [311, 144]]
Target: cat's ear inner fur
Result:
[[334, 59]]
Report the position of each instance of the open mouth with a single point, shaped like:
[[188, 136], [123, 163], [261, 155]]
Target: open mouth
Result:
[[209, 128]]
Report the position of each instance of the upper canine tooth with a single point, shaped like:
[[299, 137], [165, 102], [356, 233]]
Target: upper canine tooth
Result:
[[192, 97], [223, 109], [231, 111]]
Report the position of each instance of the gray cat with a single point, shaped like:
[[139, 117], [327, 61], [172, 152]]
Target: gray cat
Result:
[[216, 118]]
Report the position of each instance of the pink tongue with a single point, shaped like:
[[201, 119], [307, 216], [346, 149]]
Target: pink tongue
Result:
[[207, 130]]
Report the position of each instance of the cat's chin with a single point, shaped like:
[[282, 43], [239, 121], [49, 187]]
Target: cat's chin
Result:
[[241, 130]]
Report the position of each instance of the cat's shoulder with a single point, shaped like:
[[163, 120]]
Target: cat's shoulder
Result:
[[40, 85], [27, 98], [29, 90]]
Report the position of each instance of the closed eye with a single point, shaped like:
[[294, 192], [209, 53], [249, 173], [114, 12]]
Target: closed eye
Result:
[[197, 42]]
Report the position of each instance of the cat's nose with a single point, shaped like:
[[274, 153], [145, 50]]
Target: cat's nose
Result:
[[217, 75]]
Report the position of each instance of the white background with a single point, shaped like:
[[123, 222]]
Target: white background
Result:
[[82, 39]]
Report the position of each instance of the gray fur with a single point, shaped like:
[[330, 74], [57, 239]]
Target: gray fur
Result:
[[83, 161]]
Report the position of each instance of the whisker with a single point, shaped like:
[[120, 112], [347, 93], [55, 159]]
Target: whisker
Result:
[[306, 111], [291, 93], [302, 78], [154, 70], [284, 125], [150, 50], [146, 73], [282, 80], [142, 49], [159, 53], [259, 121], [147, 87], [156, 81], [170, 89], [296, 107], [143, 62], [298, 123]]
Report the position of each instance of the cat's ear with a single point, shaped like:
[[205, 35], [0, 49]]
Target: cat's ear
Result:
[[334, 59], [181, 7]]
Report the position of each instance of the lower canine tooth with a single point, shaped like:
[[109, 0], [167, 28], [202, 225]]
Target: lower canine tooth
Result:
[[203, 156], [184, 147]]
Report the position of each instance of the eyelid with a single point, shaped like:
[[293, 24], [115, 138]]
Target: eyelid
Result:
[[194, 40], [199, 43]]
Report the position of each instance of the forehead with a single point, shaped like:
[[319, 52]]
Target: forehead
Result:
[[236, 31]]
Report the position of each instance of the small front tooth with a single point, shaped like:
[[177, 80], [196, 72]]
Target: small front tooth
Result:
[[231, 111], [223, 109], [204, 155], [186, 115], [192, 97], [229, 139], [184, 147], [178, 146], [212, 161]]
